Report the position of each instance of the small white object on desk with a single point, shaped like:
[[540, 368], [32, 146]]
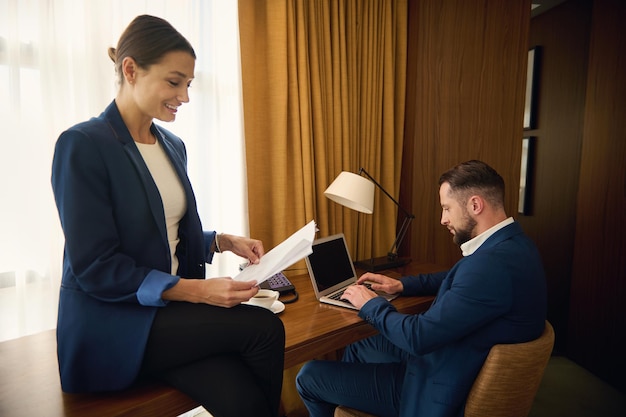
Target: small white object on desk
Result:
[[269, 302], [264, 298], [277, 307]]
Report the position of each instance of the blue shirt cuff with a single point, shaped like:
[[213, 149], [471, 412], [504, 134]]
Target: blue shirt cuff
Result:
[[152, 287]]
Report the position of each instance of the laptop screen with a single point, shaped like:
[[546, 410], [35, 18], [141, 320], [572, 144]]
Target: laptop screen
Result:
[[330, 263]]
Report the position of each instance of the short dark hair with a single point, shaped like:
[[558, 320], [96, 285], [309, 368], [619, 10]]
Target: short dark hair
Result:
[[147, 39], [475, 177]]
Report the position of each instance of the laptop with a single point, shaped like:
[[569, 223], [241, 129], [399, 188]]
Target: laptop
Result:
[[331, 270]]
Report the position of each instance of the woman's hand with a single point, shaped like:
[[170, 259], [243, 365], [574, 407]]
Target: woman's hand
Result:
[[222, 292], [251, 249], [382, 283]]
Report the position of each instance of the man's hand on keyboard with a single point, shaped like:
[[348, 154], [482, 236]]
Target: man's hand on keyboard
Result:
[[358, 295], [382, 283]]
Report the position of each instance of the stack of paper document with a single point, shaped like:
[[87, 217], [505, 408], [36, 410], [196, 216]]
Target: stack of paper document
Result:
[[287, 253]]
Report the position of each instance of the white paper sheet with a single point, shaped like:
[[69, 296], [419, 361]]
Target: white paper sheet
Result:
[[287, 253]]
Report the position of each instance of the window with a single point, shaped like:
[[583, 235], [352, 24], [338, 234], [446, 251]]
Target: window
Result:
[[55, 72]]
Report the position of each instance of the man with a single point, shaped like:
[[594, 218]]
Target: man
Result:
[[424, 365]]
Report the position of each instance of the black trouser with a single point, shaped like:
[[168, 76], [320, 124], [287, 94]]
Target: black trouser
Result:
[[230, 360]]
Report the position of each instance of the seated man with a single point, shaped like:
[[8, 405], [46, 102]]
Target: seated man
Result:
[[425, 364]]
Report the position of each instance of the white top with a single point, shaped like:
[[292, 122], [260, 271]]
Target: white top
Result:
[[472, 245], [171, 190]]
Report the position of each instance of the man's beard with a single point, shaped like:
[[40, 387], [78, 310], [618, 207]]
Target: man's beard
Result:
[[464, 233]]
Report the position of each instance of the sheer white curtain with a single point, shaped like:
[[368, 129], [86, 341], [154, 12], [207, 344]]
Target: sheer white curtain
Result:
[[55, 72]]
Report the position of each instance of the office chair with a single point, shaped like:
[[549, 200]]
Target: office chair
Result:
[[507, 382]]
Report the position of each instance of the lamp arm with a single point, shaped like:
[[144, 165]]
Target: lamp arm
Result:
[[363, 171], [393, 252]]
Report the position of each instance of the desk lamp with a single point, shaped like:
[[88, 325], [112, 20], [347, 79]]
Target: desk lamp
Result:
[[356, 192]]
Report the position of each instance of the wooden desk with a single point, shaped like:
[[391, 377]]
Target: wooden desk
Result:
[[29, 374], [313, 329]]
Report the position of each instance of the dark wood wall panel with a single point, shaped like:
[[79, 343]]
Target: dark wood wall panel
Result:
[[598, 310], [466, 73], [558, 136], [465, 93]]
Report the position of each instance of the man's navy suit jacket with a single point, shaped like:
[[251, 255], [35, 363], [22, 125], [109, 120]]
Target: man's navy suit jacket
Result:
[[115, 242], [496, 295]]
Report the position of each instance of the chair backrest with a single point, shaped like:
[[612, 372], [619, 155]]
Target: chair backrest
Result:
[[342, 411], [508, 380]]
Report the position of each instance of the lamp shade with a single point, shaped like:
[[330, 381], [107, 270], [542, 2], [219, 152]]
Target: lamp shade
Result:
[[353, 191]]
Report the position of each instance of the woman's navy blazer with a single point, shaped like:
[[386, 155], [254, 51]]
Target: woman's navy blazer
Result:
[[116, 248]]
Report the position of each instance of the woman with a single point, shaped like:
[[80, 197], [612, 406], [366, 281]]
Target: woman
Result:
[[133, 301]]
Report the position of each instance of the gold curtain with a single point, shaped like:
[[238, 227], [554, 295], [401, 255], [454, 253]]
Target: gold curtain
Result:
[[323, 91]]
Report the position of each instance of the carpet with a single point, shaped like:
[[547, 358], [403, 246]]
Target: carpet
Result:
[[568, 389]]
